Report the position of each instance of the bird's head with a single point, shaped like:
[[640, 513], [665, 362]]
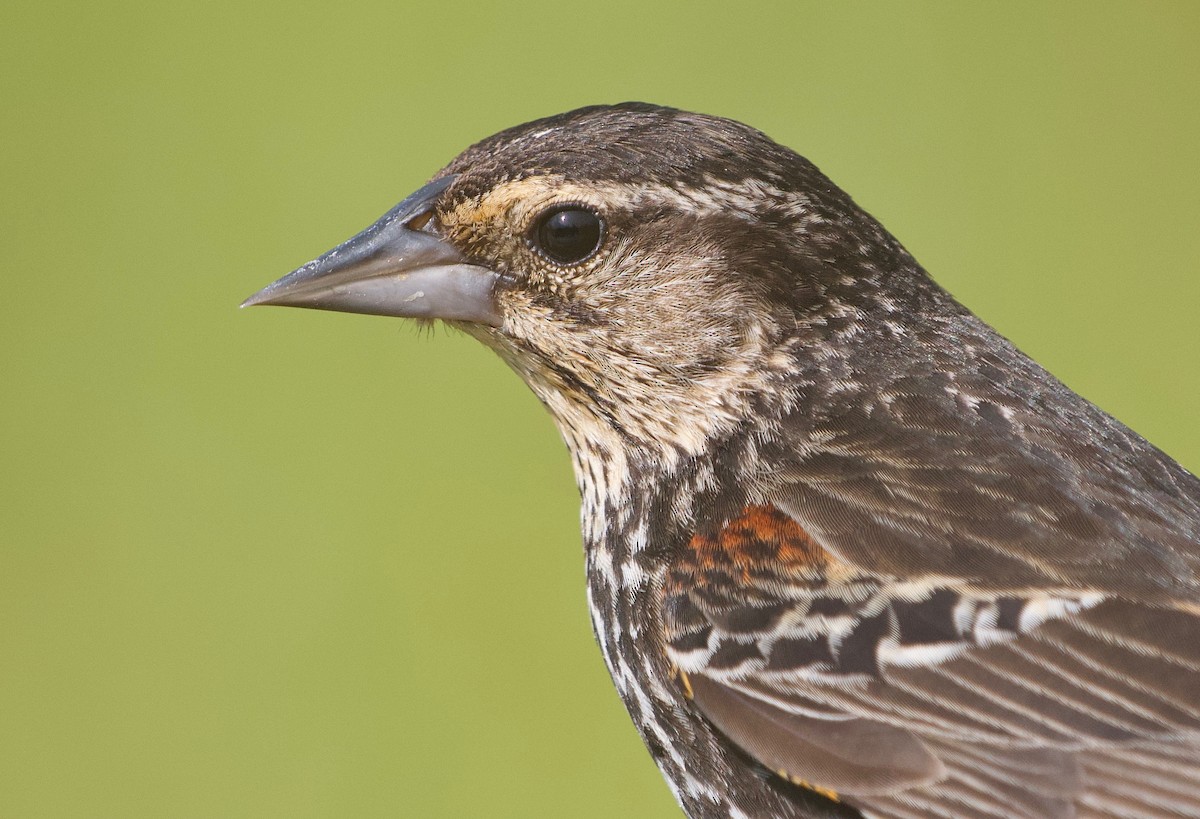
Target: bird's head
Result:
[[642, 268]]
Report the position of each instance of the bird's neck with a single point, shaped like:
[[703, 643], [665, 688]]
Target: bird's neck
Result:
[[634, 519], [624, 571]]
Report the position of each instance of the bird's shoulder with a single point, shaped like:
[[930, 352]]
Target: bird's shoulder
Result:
[[967, 458]]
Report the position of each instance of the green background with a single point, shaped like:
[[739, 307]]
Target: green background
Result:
[[279, 563]]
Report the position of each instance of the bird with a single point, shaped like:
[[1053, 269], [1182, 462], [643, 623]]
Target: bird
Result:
[[849, 552]]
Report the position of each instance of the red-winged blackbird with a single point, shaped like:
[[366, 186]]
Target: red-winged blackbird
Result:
[[849, 551]]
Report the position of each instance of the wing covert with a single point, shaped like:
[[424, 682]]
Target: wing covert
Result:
[[803, 660]]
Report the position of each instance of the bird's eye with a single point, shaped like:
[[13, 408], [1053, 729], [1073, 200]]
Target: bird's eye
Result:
[[567, 234]]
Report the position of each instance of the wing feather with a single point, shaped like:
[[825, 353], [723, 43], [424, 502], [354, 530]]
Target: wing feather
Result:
[[933, 697], [856, 755], [955, 466]]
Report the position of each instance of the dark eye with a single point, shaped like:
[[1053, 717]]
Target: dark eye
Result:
[[568, 235]]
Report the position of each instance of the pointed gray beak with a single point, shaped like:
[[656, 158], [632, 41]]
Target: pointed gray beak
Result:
[[393, 269]]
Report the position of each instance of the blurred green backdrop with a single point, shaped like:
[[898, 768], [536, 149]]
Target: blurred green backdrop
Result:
[[289, 564]]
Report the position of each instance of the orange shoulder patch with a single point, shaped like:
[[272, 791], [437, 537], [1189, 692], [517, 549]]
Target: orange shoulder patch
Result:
[[759, 537]]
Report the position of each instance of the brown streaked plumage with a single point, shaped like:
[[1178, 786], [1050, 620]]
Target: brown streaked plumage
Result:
[[849, 552]]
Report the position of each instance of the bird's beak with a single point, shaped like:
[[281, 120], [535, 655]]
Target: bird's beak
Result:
[[393, 268]]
